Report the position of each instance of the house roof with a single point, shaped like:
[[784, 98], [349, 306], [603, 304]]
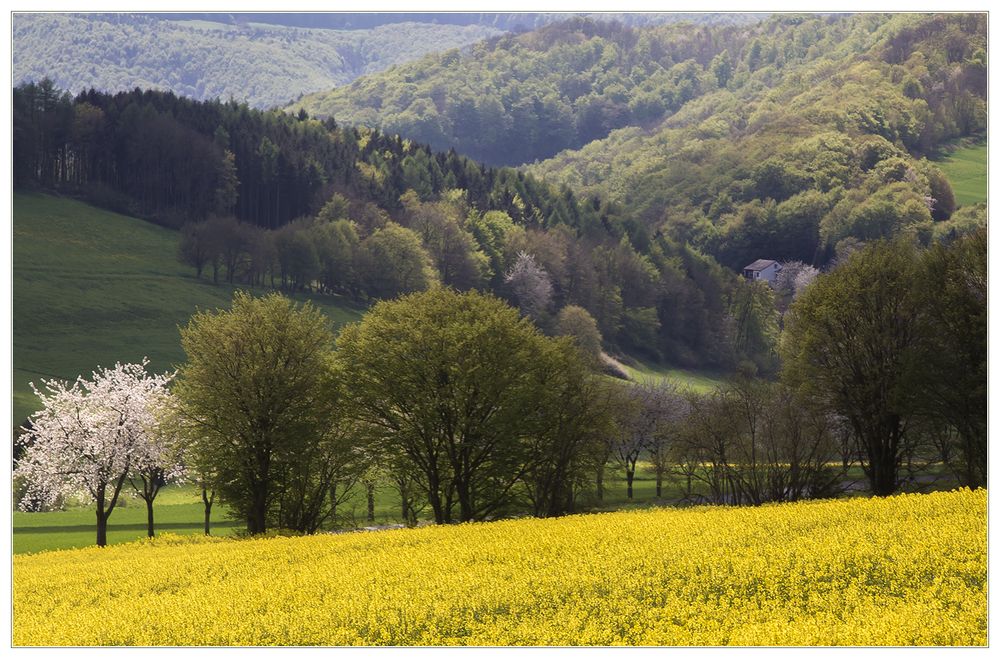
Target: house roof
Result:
[[761, 264]]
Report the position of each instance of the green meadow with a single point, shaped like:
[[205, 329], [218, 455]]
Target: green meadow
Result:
[[92, 287], [179, 509], [691, 380], [966, 171]]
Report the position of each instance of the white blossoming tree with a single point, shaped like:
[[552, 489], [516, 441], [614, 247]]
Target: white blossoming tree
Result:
[[530, 285], [91, 435], [159, 456]]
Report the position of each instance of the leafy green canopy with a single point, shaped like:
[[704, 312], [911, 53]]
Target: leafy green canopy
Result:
[[894, 342], [472, 397], [259, 398]]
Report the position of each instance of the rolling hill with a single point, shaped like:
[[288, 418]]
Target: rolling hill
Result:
[[775, 140], [265, 65], [91, 287]]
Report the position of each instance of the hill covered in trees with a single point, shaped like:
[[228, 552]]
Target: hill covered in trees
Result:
[[265, 65], [792, 161], [779, 139], [268, 197], [505, 21]]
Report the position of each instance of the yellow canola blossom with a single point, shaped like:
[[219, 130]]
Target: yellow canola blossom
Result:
[[906, 570]]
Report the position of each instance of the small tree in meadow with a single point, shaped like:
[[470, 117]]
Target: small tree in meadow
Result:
[[158, 461], [90, 436]]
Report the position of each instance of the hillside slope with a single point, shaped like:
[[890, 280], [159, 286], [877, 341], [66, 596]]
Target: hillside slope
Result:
[[802, 156], [92, 287], [776, 140], [904, 570], [517, 99], [266, 65]]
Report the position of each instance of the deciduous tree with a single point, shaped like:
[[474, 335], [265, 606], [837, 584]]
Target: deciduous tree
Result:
[[849, 340], [258, 390], [91, 435]]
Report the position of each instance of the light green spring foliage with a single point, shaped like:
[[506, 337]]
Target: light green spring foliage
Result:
[[394, 262], [257, 395], [463, 387], [906, 570], [577, 323]]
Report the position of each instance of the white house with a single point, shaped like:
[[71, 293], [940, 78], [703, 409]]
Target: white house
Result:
[[763, 269]]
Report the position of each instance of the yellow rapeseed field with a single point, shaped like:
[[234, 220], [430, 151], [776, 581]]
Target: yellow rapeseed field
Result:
[[907, 570]]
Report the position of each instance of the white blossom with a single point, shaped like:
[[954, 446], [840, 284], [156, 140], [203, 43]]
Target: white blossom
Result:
[[530, 285], [89, 435]]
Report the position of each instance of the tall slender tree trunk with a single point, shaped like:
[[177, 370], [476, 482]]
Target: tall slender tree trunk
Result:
[[629, 476], [208, 501], [371, 501], [102, 520], [600, 483], [149, 517]]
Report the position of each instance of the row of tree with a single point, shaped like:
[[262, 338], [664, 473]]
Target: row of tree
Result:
[[468, 409], [671, 302]]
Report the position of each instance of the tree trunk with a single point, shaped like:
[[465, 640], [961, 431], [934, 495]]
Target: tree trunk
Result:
[[102, 526], [371, 501], [257, 523], [600, 483], [659, 484], [208, 501], [629, 475], [149, 518], [434, 496], [466, 513], [102, 519]]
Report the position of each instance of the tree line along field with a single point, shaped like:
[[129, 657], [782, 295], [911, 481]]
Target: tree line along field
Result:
[[92, 287], [179, 511], [902, 570]]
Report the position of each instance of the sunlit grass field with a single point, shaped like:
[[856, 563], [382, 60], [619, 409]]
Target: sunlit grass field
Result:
[[966, 171], [685, 379], [179, 510], [92, 287], [903, 570]]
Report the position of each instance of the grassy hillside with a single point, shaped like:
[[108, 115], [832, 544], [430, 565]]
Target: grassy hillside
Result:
[[686, 379], [966, 171], [92, 287], [904, 570]]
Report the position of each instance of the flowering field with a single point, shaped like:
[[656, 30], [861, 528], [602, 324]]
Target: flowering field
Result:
[[908, 570]]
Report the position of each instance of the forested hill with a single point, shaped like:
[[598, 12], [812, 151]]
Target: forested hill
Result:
[[805, 159], [519, 98], [781, 139], [268, 197], [505, 21], [265, 65]]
